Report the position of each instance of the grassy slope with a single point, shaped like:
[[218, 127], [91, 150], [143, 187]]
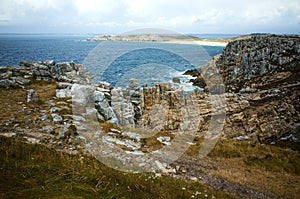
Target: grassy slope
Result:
[[274, 170], [35, 171]]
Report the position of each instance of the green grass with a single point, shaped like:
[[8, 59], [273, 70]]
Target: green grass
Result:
[[35, 171]]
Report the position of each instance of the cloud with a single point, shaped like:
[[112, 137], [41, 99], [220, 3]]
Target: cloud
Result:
[[185, 16]]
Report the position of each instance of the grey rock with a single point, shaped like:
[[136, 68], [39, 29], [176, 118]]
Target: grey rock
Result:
[[5, 83], [48, 129], [56, 117], [77, 118], [55, 109], [32, 96], [164, 140], [21, 80], [49, 62], [63, 93], [83, 95], [65, 85], [103, 106], [62, 131], [44, 117]]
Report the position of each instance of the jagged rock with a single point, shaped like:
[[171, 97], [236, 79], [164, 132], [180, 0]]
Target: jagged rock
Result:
[[262, 75], [32, 96], [122, 108], [20, 80], [103, 106]]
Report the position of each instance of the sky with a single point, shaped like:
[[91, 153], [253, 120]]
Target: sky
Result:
[[118, 16]]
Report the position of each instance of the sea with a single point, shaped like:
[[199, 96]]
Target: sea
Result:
[[109, 61]]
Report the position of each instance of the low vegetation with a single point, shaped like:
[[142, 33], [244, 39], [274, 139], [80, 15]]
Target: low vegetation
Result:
[[35, 171], [268, 168]]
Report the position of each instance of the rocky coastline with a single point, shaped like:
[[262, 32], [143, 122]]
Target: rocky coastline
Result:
[[260, 76]]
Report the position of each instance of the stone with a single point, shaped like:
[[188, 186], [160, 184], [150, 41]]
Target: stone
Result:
[[124, 142], [44, 117], [62, 131], [83, 95], [103, 106], [164, 140], [56, 117], [55, 109], [77, 118], [63, 93], [131, 135], [32, 96], [5, 83], [65, 85], [48, 129], [20, 80], [176, 80]]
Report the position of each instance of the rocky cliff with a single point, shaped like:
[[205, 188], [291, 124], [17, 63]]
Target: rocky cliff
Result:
[[261, 77]]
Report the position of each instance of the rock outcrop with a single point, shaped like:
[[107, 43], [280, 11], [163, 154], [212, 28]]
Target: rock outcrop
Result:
[[261, 77], [45, 70], [260, 62]]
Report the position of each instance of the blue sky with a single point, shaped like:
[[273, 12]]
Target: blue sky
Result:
[[117, 16]]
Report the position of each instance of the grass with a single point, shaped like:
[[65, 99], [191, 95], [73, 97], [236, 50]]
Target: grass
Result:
[[267, 168], [35, 171]]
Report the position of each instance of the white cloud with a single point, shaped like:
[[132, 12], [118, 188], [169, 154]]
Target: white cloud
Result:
[[185, 16]]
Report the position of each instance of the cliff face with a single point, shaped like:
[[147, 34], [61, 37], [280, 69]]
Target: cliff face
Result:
[[261, 77], [260, 62]]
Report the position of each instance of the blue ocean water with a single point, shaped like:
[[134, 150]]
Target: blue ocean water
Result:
[[15, 48], [38, 47]]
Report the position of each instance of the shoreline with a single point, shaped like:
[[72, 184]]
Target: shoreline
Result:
[[164, 39], [201, 43]]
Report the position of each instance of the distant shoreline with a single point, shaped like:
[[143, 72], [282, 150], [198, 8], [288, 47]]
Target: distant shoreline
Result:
[[202, 43], [164, 39]]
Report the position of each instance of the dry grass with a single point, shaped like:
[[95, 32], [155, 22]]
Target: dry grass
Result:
[[17, 112], [269, 169]]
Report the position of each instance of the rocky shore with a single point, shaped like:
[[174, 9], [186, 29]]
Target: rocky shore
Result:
[[58, 104]]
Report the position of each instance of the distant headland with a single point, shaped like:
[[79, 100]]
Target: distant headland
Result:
[[182, 39]]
